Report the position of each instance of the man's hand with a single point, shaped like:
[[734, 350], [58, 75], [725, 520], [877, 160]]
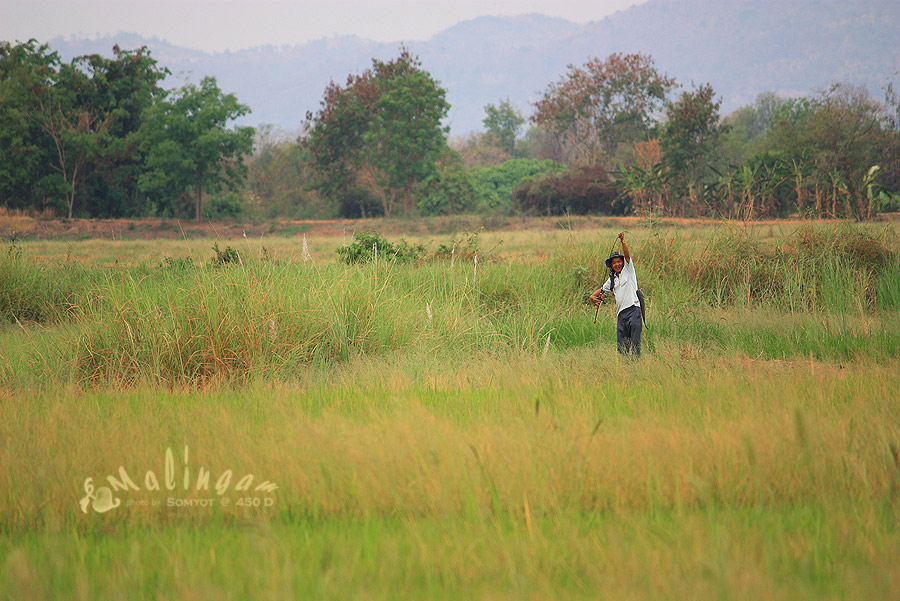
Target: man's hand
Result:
[[597, 298], [625, 248]]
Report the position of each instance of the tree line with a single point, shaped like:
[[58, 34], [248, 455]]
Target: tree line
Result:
[[99, 137]]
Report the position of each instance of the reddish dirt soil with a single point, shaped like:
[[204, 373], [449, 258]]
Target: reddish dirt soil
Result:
[[44, 228]]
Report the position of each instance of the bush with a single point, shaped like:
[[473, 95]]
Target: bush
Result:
[[226, 256], [369, 245], [448, 192], [494, 186], [224, 206], [359, 202], [580, 191]]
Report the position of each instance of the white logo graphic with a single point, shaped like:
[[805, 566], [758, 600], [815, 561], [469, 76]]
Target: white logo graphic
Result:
[[102, 499], [101, 502]]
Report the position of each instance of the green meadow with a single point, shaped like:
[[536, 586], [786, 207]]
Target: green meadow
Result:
[[445, 427]]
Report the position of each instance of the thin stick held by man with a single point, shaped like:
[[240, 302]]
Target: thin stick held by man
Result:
[[623, 284]]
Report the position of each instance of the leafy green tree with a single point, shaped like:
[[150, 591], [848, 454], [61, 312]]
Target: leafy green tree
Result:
[[26, 152], [405, 139], [748, 125], [335, 139], [67, 110], [124, 86], [381, 130], [68, 126], [502, 124], [449, 190], [594, 109], [690, 138], [188, 145]]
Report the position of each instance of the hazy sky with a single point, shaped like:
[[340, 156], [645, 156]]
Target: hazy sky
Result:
[[235, 24]]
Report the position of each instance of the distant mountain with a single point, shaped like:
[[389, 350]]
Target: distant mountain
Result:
[[741, 47], [744, 47]]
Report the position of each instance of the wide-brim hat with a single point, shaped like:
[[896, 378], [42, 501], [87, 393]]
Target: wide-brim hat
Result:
[[615, 254]]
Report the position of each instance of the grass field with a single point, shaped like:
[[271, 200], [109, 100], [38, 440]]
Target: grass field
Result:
[[441, 430]]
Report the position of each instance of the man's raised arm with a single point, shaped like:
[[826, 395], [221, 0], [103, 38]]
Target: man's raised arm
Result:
[[625, 248]]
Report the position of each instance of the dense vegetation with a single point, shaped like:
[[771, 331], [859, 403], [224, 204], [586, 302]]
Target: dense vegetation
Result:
[[98, 137], [234, 316]]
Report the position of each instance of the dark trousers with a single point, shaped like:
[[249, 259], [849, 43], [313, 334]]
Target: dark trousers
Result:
[[628, 331]]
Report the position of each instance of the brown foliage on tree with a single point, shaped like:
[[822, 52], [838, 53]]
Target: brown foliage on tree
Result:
[[596, 108]]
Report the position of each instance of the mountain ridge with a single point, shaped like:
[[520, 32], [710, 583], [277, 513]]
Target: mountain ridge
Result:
[[742, 48]]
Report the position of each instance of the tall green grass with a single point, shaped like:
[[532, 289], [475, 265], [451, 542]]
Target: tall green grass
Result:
[[31, 292], [185, 322], [836, 269]]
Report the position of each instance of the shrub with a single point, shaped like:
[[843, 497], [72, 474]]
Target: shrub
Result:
[[580, 191], [447, 192], [226, 256], [367, 245], [224, 206], [494, 186]]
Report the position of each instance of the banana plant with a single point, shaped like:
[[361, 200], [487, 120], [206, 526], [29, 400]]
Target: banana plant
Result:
[[797, 171], [644, 185], [873, 189], [839, 192], [746, 181]]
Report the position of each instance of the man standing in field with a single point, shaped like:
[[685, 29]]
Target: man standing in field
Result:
[[622, 283]]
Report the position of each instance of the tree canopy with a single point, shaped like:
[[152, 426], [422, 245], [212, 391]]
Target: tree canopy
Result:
[[596, 107], [381, 130], [188, 143], [98, 136], [503, 123], [690, 137], [74, 122]]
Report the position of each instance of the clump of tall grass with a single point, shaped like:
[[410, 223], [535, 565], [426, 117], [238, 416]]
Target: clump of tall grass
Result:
[[200, 325], [834, 268], [861, 248], [888, 286], [183, 323], [734, 268], [37, 293]]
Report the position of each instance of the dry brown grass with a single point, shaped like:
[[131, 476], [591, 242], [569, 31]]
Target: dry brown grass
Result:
[[732, 435]]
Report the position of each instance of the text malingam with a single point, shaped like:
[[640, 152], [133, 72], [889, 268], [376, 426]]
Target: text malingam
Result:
[[201, 481]]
